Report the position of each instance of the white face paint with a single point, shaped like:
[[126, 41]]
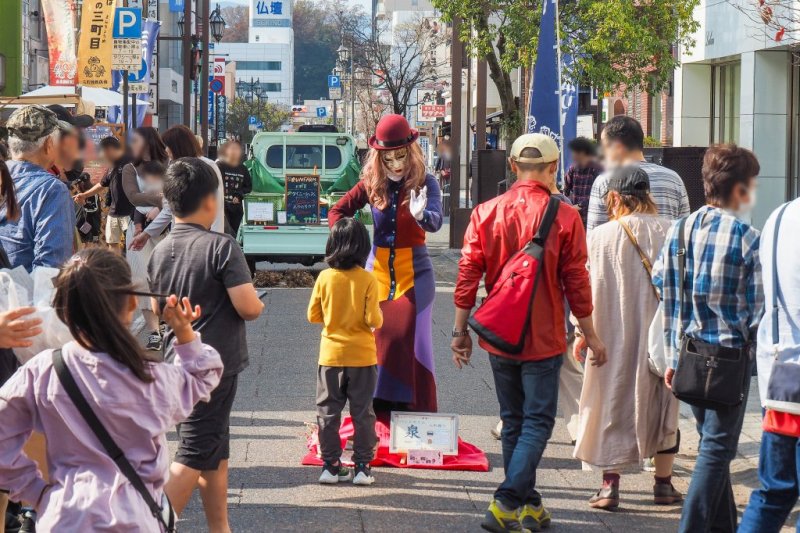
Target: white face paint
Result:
[[395, 163]]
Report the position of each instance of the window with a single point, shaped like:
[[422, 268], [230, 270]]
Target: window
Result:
[[726, 90], [656, 116], [271, 87], [299, 156], [258, 65]]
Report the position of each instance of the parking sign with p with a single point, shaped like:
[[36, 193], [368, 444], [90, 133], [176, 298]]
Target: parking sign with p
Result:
[[128, 23]]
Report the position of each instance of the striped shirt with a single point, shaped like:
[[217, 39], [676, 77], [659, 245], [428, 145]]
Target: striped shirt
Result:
[[666, 187], [724, 297]]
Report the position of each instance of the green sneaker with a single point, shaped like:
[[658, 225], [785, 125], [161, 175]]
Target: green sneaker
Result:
[[534, 517], [497, 520], [333, 474]]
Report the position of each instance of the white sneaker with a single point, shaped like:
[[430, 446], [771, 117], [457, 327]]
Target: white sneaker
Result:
[[331, 475], [363, 475]]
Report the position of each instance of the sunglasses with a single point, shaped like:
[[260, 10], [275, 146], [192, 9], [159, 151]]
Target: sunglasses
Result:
[[142, 293]]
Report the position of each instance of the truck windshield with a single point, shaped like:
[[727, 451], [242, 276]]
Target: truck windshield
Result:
[[304, 156]]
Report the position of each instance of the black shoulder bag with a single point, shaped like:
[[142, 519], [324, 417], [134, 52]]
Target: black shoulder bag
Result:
[[708, 375], [164, 513]]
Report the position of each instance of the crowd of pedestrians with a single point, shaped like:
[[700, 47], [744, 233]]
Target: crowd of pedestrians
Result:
[[586, 274], [164, 237]]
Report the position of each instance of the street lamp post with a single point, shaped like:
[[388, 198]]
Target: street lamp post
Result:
[[346, 57]]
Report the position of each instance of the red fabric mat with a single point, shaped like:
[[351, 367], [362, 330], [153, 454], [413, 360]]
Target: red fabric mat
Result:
[[470, 458]]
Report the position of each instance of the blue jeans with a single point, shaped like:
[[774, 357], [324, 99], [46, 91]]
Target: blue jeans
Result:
[[709, 504], [771, 504], [528, 396]]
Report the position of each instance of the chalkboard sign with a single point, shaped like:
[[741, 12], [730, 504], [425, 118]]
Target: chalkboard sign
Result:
[[302, 200]]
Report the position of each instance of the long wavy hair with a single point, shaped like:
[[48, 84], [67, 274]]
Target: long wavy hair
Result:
[[377, 183]]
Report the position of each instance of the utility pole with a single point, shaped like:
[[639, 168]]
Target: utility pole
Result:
[[186, 45], [203, 26], [456, 62]]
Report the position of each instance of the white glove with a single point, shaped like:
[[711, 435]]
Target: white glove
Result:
[[418, 202]]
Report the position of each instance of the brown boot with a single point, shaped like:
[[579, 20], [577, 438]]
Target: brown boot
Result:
[[665, 494], [606, 498]]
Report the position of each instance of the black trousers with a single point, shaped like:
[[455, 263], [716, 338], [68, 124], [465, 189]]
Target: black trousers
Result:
[[233, 217]]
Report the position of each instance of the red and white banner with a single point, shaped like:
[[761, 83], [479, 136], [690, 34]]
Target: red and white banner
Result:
[[59, 19], [432, 112]]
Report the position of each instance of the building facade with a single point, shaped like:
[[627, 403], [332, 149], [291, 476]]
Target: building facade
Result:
[[23, 48], [268, 56], [741, 83]]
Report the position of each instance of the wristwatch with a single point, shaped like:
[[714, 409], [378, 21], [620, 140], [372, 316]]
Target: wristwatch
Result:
[[462, 333]]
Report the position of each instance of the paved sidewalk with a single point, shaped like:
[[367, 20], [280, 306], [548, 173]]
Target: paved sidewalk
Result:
[[270, 491]]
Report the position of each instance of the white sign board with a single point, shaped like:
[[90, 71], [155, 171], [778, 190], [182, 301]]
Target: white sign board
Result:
[[586, 126], [423, 431], [127, 54], [271, 13], [334, 93], [260, 211], [138, 88]]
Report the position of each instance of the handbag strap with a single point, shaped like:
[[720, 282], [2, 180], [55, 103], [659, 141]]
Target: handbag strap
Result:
[[776, 285], [648, 266], [97, 427], [549, 217], [681, 272]]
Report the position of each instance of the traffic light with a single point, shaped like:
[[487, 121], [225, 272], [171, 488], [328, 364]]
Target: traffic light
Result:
[[298, 109]]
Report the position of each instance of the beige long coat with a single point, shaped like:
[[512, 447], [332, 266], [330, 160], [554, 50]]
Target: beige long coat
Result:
[[626, 412]]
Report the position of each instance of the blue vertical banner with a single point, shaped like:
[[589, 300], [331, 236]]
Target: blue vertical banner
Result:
[[150, 31], [553, 98]]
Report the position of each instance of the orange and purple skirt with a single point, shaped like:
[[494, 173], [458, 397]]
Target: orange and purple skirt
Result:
[[406, 376]]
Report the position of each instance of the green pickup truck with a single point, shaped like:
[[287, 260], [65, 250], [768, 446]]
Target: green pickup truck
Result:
[[272, 229]]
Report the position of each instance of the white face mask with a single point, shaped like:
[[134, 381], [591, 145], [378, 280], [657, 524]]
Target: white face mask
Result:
[[394, 177], [745, 210]]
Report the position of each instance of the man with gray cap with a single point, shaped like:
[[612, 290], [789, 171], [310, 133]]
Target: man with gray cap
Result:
[[526, 383], [43, 234]]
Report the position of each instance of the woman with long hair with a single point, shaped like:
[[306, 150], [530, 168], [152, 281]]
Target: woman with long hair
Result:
[[146, 145], [626, 412], [181, 142], [406, 203], [136, 399]]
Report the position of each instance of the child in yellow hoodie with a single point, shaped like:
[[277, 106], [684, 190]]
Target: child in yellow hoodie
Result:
[[345, 301]]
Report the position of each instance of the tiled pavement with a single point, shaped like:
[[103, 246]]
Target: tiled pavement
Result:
[[270, 491]]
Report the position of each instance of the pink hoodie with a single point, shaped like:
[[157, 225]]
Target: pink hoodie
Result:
[[87, 491]]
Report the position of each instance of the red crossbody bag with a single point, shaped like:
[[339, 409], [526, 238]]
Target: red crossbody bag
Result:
[[503, 319]]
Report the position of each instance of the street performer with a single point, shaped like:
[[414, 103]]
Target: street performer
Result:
[[406, 203]]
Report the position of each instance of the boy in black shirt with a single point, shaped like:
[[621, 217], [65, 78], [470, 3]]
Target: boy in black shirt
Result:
[[210, 269]]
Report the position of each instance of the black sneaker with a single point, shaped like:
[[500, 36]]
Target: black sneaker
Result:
[[333, 474], [154, 342], [363, 475]]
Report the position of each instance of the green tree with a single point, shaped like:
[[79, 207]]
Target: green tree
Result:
[[616, 43], [239, 110], [319, 28]]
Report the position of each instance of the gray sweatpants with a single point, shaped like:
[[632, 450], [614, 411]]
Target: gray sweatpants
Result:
[[335, 386]]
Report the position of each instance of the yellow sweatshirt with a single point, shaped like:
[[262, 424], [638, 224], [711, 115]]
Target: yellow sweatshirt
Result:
[[346, 302]]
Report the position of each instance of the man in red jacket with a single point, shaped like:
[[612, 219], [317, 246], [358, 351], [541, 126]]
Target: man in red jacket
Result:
[[526, 383]]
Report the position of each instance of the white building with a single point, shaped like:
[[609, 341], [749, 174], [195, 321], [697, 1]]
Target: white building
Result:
[[738, 84], [268, 56]]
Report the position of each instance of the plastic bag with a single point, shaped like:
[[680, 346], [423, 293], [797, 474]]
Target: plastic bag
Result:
[[20, 289], [656, 345]]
